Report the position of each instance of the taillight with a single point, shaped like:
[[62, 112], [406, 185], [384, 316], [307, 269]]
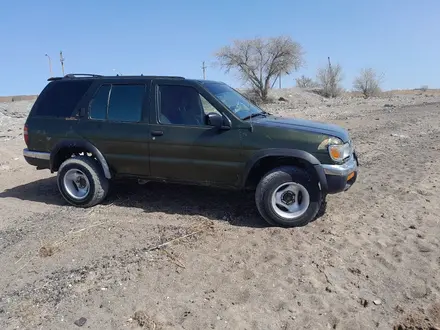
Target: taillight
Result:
[[26, 135]]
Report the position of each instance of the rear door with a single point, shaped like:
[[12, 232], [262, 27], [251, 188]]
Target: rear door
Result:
[[117, 124], [183, 147]]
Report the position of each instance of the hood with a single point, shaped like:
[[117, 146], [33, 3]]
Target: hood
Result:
[[304, 125]]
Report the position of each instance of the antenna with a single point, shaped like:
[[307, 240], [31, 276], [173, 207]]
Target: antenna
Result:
[[204, 70], [62, 62], [118, 73]]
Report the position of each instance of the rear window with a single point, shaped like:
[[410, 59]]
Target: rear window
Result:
[[60, 98]]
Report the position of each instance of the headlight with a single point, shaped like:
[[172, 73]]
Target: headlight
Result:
[[337, 150]]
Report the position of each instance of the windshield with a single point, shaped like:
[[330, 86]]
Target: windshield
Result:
[[235, 102]]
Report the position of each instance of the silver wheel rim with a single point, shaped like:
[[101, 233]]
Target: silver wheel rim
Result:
[[77, 184], [290, 200]]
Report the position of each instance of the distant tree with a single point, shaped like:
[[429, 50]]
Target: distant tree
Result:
[[368, 82], [306, 82], [424, 88], [329, 79], [260, 61]]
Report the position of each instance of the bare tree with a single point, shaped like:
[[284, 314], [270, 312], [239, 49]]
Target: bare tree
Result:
[[306, 82], [329, 79], [260, 61], [368, 82]]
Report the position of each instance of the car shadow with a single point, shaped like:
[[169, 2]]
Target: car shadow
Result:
[[236, 207]]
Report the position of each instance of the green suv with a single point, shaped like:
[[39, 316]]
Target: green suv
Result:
[[91, 129]]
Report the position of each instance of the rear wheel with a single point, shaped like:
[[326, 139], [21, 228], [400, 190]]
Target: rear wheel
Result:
[[288, 196], [82, 182]]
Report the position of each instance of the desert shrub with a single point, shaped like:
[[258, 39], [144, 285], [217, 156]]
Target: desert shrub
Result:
[[329, 79], [306, 82], [368, 83]]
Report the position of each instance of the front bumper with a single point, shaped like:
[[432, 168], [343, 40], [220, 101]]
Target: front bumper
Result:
[[341, 177]]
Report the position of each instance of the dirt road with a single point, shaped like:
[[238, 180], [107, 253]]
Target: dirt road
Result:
[[372, 262]]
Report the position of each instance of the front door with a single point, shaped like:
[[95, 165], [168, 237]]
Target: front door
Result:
[[183, 147]]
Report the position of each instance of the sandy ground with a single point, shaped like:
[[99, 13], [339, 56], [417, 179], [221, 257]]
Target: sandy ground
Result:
[[371, 262]]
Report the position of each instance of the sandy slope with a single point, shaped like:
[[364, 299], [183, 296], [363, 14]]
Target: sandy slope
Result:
[[372, 261]]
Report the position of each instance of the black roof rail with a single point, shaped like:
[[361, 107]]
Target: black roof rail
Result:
[[73, 75], [77, 75], [54, 78], [149, 76]]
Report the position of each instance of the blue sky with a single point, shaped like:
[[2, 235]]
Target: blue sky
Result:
[[400, 38]]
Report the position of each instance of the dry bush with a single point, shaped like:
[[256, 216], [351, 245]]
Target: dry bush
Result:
[[368, 83], [260, 61], [329, 79], [306, 82], [254, 96]]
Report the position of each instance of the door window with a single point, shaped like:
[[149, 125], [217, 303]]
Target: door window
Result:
[[183, 105], [208, 107]]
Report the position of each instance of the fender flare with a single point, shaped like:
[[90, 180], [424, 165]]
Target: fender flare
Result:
[[281, 152], [83, 145]]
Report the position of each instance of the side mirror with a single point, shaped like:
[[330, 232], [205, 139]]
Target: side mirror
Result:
[[81, 112], [216, 120]]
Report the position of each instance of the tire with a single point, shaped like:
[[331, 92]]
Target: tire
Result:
[[91, 176], [301, 187], [323, 208]]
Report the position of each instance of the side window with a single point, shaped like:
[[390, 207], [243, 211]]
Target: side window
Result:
[[208, 107], [126, 103], [118, 103], [98, 105], [182, 105], [60, 98]]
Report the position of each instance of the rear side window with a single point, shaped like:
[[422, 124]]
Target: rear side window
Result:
[[122, 103], [60, 98]]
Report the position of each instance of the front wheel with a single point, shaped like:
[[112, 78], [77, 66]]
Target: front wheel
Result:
[[288, 196], [81, 181]]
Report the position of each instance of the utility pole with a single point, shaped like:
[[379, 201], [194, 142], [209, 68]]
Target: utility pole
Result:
[[204, 70], [50, 65], [332, 77], [62, 62]]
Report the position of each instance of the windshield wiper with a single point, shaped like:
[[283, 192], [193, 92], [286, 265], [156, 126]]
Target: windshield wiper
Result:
[[264, 114]]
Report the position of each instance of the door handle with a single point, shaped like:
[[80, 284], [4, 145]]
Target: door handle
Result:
[[156, 133]]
